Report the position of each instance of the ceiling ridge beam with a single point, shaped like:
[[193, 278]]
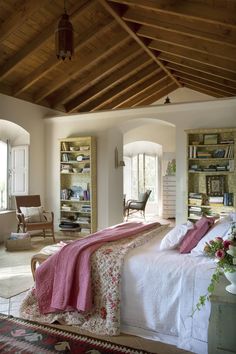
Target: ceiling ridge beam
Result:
[[104, 69], [38, 41], [200, 11], [127, 28], [52, 62], [113, 79]]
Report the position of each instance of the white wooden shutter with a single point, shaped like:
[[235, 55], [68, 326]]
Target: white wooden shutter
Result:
[[19, 170]]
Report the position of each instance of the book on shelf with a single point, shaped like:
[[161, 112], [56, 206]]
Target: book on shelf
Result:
[[216, 200], [228, 199]]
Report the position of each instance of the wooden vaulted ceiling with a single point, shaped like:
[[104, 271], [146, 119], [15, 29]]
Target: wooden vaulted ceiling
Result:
[[128, 53]]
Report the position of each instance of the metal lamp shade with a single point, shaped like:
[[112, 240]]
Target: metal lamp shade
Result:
[[64, 38]]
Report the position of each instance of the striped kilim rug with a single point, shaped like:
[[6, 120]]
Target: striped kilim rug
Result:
[[21, 336]]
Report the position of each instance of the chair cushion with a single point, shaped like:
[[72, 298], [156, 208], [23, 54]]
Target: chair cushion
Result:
[[33, 214]]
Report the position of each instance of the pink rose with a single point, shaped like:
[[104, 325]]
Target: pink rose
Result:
[[220, 254], [226, 244]]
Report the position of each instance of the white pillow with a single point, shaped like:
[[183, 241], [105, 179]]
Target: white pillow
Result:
[[33, 214], [175, 236], [220, 229]]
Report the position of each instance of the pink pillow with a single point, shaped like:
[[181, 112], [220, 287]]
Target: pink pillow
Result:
[[194, 235]]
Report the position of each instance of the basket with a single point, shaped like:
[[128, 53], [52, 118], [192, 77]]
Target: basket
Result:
[[18, 242]]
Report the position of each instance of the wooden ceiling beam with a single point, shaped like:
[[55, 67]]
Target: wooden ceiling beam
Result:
[[127, 28], [132, 90], [123, 87], [110, 81], [207, 87], [23, 9], [196, 29], [142, 92], [186, 41], [155, 96], [53, 62], [83, 63], [194, 55], [188, 9], [205, 82], [203, 67], [202, 90], [105, 68], [38, 41], [176, 69]]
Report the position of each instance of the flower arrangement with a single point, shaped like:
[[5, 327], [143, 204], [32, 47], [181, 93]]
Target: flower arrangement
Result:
[[224, 251]]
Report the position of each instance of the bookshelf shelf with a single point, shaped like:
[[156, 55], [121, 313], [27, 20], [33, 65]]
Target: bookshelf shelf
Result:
[[78, 205], [211, 173]]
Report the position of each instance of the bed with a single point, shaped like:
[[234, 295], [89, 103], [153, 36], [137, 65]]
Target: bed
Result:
[[153, 293]]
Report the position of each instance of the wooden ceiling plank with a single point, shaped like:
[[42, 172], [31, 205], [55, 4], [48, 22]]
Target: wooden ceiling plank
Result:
[[122, 88], [82, 64], [178, 69], [52, 62], [134, 90], [202, 90], [38, 41], [127, 28], [23, 10], [156, 95], [205, 31], [194, 55], [187, 9], [205, 82], [186, 41], [102, 70], [203, 67], [110, 81], [142, 92], [206, 86]]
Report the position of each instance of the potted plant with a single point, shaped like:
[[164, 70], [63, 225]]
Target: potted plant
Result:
[[224, 252]]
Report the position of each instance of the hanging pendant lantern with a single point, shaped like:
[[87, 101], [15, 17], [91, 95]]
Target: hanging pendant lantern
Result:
[[64, 38]]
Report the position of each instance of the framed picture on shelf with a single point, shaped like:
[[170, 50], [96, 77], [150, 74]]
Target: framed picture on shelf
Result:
[[215, 185], [210, 139]]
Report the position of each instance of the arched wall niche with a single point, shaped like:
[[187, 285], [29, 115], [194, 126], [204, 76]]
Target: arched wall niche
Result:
[[14, 133]]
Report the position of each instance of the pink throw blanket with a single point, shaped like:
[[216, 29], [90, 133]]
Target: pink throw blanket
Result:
[[63, 282]]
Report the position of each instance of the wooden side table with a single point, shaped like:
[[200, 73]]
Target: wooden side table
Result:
[[222, 323]]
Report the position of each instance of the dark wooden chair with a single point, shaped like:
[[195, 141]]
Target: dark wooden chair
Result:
[[41, 222], [139, 205]]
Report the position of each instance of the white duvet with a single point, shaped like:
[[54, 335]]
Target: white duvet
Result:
[[158, 292]]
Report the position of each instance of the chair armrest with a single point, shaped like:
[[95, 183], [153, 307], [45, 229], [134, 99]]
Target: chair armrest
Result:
[[20, 217], [50, 215]]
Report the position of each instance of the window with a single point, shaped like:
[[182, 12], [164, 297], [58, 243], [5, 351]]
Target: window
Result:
[[13, 173], [140, 174], [3, 175]]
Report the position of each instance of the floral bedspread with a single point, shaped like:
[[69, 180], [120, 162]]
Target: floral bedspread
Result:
[[106, 269]]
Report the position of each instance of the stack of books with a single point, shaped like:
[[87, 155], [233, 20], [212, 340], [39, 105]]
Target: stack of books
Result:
[[195, 199], [216, 201], [203, 154]]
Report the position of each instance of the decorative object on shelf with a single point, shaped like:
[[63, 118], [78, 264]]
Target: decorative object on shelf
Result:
[[64, 37], [210, 139], [171, 168], [118, 163], [215, 185], [224, 251]]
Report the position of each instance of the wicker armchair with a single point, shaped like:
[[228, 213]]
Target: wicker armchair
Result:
[[41, 221]]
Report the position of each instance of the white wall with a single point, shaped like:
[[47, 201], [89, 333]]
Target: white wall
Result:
[[109, 127], [30, 117]]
